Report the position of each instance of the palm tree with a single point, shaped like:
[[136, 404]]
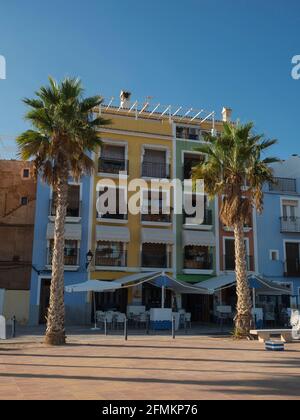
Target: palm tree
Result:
[[64, 134], [234, 160]]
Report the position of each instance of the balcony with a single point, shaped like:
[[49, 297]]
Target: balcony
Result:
[[156, 260], [208, 219], [71, 257], [156, 218], [229, 263], [288, 185], [290, 224], [72, 212], [112, 217], [112, 166], [199, 263], [156, 170], [292, 267], [111, 259]]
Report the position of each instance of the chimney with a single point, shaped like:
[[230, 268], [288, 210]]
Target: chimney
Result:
[[125, 99], [226, 113]]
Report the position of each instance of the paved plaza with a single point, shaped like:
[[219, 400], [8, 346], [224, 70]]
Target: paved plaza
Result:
[[154, 367]]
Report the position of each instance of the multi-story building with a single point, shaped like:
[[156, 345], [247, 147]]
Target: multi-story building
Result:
[[17, 212], [278, 227], [76, 248]]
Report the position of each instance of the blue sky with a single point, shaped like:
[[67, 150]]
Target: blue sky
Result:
[[196, 53]]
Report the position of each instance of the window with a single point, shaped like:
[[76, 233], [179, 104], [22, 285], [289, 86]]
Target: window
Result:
[[24, 201], [274, 255], [155, 164], [197, 258], [190, 161], [111, 254], [71, 253], [155, 207], [26, 173], [208, 215], [188, 133], [229, 257], [289, 209], [112, 159], [114, 204], [74, 202], [156, 256]]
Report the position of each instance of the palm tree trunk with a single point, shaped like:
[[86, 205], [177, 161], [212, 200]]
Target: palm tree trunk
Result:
[[55, 333], [243, 317]]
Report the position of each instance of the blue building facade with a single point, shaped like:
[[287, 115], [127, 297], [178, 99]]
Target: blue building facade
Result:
[[278, 227], [78, 309]]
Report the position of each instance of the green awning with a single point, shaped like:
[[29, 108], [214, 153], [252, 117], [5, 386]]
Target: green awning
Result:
[[193, 278]]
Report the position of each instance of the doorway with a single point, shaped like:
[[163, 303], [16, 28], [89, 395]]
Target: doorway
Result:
[[44, 300]]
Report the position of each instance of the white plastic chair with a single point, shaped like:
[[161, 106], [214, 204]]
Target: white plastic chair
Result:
[[120, 320], [188, 319]]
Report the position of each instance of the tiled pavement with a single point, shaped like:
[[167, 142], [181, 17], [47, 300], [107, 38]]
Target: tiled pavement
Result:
[[192, 367]]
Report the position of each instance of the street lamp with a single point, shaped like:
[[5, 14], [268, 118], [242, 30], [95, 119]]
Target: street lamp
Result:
[[89, 258]]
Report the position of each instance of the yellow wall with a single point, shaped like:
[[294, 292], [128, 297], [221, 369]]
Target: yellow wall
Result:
[[16, 303], [162, 136]]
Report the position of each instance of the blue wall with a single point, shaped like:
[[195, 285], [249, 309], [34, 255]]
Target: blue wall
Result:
[[269, 237], [77, 309]]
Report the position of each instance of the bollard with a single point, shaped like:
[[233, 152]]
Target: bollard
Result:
[[173, 327], [105, 327], [185, 327], [13, 327], [126, 329]]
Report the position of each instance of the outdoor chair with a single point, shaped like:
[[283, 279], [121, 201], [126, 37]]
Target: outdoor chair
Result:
[[142, 320], [109, 319], [188, 319], [120, 320]]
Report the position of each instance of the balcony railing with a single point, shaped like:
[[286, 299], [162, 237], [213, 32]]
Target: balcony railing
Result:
[[111, 259], [71, 212], [156, 218], [70, 260], [283, 185], [290, 224], [155, 260], [196, 263], [208, 218], [155, 170], [229, 262], [109, 216], [112, 166], [292, 267]]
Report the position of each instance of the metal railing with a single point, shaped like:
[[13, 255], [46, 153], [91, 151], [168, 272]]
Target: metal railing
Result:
[[156, 218], [156, 260], [111, 216], [198, 263], [290, 224], [69, 260], [208, 218], [229, 262], [283, 185], [113, 166], [71, 212], [111, 259], [156, 170]]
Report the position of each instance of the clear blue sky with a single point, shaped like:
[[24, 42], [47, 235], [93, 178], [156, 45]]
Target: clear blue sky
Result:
[[196, 53]]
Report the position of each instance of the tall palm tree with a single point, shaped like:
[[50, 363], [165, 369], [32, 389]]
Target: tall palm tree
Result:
[[234, 160], [64, 134]]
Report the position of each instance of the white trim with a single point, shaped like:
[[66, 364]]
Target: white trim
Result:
[[174, 216], [114, 269], [291, 198], [66, 267], [206, 272], [271, 251], [92, 208]]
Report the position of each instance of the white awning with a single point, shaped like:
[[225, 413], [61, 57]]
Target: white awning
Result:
[[93, 286], [216, 283], [198, 238], [112, 234], [157, 236], [72, 231]]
